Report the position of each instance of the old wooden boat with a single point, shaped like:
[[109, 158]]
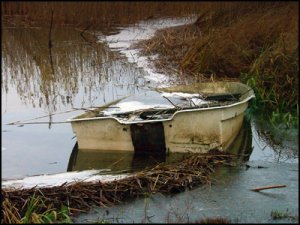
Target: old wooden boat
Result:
[[185, 118]]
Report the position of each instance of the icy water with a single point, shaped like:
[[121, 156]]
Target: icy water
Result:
[[77, 74]]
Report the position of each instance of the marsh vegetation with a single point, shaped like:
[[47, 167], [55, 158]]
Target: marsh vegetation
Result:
[[53, 204], [256, 43]]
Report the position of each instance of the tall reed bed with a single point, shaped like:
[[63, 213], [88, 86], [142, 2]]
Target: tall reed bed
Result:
[[256, 42], [95, 13]]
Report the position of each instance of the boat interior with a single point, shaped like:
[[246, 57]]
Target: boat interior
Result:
[[162, 103]]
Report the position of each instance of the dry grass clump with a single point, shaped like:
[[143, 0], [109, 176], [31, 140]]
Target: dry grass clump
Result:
[[257, 41], [20, 204], [170, 45], [242, 45], [217, 220], [229, 38]]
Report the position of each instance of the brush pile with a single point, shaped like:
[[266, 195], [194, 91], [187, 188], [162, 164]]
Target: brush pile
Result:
[[82, 196]]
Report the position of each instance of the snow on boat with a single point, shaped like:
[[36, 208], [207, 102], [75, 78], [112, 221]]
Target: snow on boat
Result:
[[186, 118]]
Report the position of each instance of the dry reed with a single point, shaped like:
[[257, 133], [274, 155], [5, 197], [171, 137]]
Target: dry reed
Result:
[[82, 196], [217, 220], [254, 41], [95, 14]]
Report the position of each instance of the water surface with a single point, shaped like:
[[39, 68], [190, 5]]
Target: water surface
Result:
[[76, 74], [50, 85], [83, 76]]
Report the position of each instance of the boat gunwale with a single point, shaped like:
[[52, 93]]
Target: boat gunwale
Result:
[[72, 119]]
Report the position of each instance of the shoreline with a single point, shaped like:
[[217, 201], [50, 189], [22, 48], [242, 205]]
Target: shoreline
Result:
[[126, 43], [121, 42]]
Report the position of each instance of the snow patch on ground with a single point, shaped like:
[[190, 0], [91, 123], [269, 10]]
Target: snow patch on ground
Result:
[[134, 106], [123, 41], [61, 178]]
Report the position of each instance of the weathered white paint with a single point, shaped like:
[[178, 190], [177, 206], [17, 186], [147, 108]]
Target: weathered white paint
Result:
[[193, 130]]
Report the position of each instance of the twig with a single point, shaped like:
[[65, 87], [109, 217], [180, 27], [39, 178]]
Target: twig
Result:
[[96, 107], [268, 187], [73, 109], [24, 123], [84, 38], [176, 106], [80, 195], [40, 117]]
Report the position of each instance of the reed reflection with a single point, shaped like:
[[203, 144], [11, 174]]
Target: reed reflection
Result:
[[74, 67], [283, 142]]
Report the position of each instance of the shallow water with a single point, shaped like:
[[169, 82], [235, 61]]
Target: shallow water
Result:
[[230, 194], [229, 198], [84, 76], [78, 74]]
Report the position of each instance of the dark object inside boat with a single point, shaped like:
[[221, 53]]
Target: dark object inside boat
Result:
[[148, 137], [223, 97]]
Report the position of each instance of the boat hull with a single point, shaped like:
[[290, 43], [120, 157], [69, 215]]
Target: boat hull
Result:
[[188, 131], [200, 131]]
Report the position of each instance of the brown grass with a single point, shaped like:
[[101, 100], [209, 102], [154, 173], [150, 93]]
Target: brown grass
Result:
[[240, 40], [93, 13], [235, 48], [253, 41], [217, 220], [82, 196]]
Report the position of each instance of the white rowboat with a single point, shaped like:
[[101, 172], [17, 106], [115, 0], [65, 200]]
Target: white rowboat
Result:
[[186, 118]]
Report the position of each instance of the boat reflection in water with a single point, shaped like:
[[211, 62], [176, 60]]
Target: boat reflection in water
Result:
[[117, 161], [128, 161]]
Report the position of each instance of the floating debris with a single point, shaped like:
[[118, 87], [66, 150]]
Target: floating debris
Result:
[[268, 187]]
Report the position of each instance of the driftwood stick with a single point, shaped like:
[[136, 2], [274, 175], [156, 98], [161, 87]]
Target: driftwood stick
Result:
[[49, 122], [96, 107], [73, 109], [268, 187], [40, 117]]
